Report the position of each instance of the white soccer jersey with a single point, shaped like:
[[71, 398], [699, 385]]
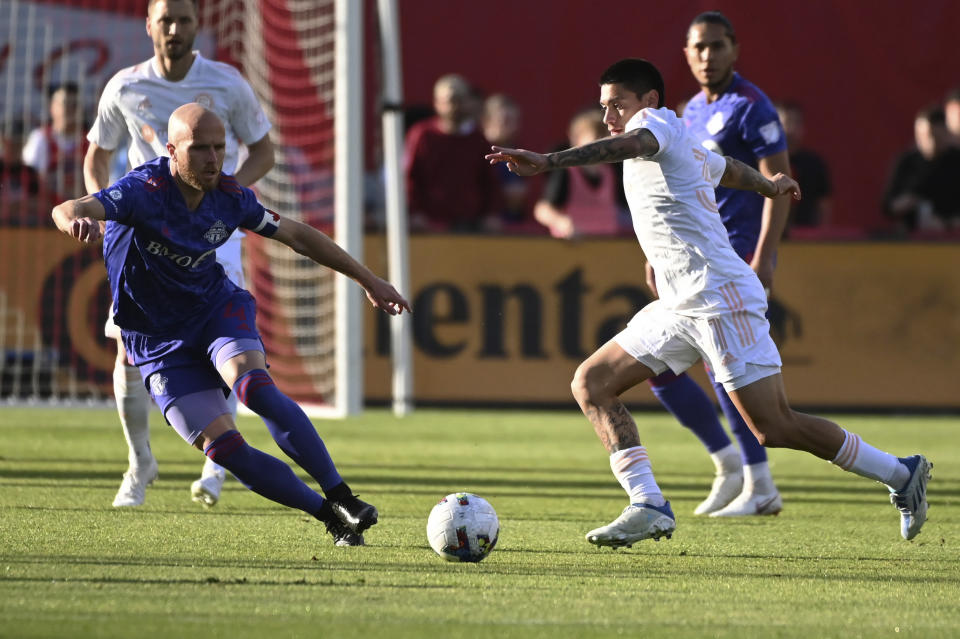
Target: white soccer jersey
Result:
[[675, 217], [138, 101]]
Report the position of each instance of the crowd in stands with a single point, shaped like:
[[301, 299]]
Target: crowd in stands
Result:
[[451, 188]]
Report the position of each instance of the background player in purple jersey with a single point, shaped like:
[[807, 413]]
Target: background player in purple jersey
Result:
[[190, 330], [732, 117]]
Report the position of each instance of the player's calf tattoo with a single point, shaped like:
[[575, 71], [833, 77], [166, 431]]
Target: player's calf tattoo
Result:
[[614, 426]]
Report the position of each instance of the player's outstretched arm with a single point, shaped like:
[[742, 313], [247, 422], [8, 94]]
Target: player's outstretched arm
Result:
[[81, 218], [311, 243], [746, 178], [96, 168], [636, 144]]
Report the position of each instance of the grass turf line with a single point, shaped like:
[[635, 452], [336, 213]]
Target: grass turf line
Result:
[[832, 564]]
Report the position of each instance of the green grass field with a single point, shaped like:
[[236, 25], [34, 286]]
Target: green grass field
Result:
[[832, 564]]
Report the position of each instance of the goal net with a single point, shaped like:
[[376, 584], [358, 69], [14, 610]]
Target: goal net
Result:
[[53, 292]]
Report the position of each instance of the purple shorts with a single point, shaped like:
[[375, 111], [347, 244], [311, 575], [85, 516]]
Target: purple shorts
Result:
[[176, 367]]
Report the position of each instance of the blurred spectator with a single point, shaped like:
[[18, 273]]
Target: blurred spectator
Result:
[[809, 170], [56, 149], [501, 123], [450, 186], [19, 186], [923, 192], [584, 200], [951, 109]]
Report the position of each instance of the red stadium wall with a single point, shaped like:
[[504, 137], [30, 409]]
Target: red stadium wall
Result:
[[861, 70]]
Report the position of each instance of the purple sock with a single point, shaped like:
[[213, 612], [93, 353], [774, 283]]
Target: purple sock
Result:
[[288, 425], [262, 473], [750, 449], [686, 401]]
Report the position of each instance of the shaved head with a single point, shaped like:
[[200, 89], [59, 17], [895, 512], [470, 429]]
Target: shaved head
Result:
[[189, 118], [196, 142]]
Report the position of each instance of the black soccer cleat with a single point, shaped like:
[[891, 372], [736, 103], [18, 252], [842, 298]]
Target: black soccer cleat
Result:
[[342, 536], [356, 515]]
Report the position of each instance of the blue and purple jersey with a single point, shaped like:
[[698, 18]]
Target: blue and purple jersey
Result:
[[743, 124], [160, 256]]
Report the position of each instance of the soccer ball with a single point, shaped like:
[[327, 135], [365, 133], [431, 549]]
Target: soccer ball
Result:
[[463, 527]]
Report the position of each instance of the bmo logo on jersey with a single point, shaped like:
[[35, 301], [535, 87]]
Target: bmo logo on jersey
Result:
[[183, 261]]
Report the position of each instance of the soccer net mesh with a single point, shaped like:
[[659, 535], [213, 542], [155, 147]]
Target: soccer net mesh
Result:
[[53, 292]]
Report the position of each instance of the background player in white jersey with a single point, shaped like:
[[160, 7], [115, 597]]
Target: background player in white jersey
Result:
[[711, 306], [134, 109]]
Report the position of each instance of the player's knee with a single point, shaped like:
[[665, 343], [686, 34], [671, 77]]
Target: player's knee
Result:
[[586, 385], [773, 431]]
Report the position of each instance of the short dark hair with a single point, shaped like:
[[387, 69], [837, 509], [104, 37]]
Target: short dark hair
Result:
[[70, 88], [637, 75], [714, 17], [933, 114]]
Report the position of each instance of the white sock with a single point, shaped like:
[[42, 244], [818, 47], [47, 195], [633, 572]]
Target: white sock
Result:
[[133, 405], [859, 457], [631, 467], [727, 460], [211, 468], [757, 479]]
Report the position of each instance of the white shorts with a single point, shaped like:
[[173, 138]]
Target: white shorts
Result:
[[230, 258], [734, 342]]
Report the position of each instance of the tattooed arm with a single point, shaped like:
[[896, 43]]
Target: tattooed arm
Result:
[[638, 143], [617, 148], [741, 176]]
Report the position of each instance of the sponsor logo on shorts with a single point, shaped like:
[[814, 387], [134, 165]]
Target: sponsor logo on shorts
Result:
[[727, 359], [158, 384], [115, 194]]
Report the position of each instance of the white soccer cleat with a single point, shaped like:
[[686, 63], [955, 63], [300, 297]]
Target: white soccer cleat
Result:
[[206, 490], [133, 488], [635, 523], [750, 503], [725, 489], [911, 500]]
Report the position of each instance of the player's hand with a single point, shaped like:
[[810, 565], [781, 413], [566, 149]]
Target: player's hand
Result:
[[651, 277], [784, 184], [85, 229], [764, 270], [383, 296], [519, 161]]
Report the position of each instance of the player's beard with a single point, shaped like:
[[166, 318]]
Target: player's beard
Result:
[[720, 82], [179, 50], [197, 181]]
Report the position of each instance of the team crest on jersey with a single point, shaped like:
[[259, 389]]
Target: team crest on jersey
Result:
[[715, 124], [216, 233], [115, 194], [158, 384], [204, 100]]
